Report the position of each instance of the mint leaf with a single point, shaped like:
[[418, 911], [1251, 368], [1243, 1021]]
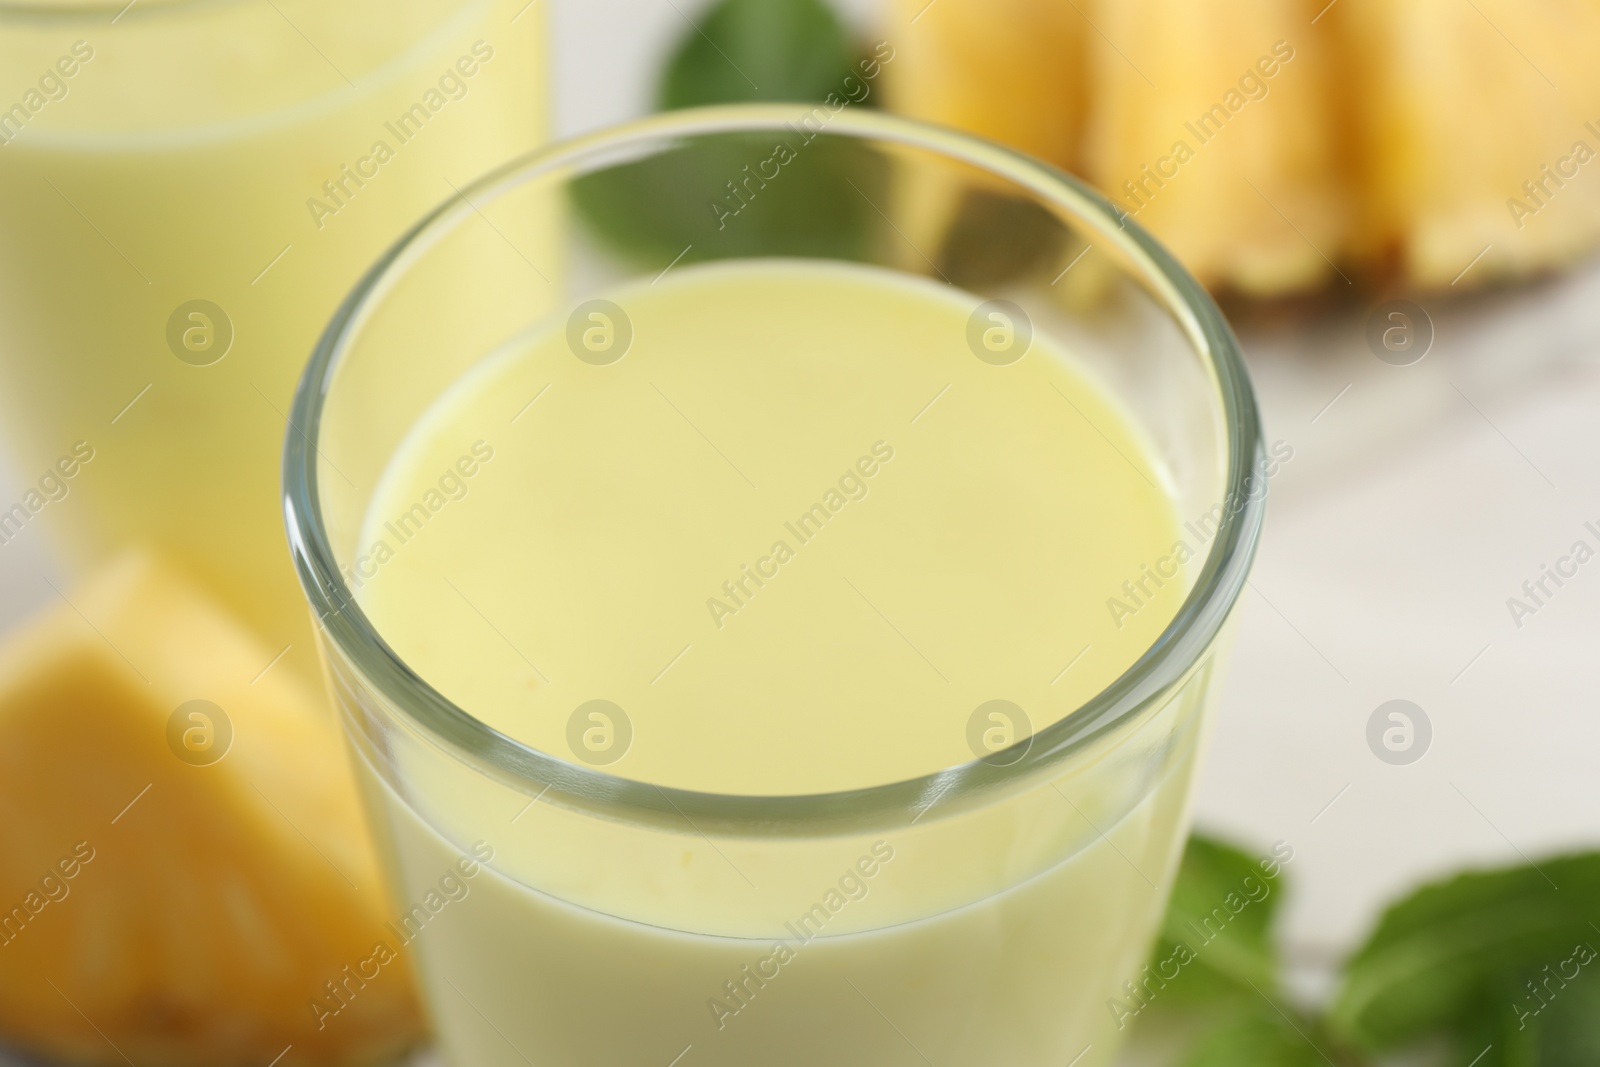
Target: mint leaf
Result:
[[994, 237], [1567, 1030], [1500, 967], [748, 50], [1491, 1037], [789, 193], [680, 204], [1215, 942], [1442, 957], [1255, 1040], [1510, 1029]]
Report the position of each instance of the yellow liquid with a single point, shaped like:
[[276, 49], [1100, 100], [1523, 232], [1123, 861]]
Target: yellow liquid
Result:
[[555, 532], [228, 153], [611, 548]]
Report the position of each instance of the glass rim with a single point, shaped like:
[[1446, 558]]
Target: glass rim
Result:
[[1163, 666]]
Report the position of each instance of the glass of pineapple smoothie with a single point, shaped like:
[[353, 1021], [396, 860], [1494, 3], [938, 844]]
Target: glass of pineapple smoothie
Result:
[[188, 187], [783, 630]]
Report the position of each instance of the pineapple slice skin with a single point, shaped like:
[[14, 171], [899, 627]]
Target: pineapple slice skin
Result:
[[209, 902]]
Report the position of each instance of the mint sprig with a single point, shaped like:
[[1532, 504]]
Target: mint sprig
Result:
[[1500, 967], [749, 50], [1485, 951], [789, 193]]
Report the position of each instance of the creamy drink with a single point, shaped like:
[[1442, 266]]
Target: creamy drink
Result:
[[731, 562], [778, 639], [189, 189]]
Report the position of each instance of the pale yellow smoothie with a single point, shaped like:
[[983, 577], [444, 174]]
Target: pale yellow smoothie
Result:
[[187, 189], [770, 528]]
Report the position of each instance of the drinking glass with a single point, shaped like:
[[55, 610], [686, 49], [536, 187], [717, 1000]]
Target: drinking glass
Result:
[[563, 913], [190, 187]]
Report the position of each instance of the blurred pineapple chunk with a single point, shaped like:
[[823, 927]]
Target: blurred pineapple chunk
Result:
[[177, 886], [1211, 128], [1277, 146], [1460, 109], [1008, 70], [953, 63]]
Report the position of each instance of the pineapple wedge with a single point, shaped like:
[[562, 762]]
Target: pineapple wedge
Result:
[[1458, 109], [1211, 125], [177, 884], [1008, 70], [1431, 142], [1111, 90]]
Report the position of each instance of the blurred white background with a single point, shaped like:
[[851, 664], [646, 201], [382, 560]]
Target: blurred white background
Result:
[[1418, 500]]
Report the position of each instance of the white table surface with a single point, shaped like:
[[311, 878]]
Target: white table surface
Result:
[[1413, 508]]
